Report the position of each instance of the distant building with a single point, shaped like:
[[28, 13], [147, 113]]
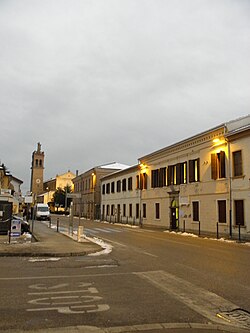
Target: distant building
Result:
[[121, 196], [51, 185], [10, 189], [88, 187]]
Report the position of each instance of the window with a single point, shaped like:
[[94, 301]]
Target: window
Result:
[[130, 210], [194, 170], [130, 181], [36, 162], [171, 175], [108, 188], [124, 183], [155, 178], [218, 165], [107, 209], [137, 182], [118, 186], [40, 163], [162, 177], [144, 214], [113, 187], [112, 209], [237, 163], [239, 212], [222, 211], [141, 181], [183, 173], [137, 211], [158, 177], [124, 210], [196, 215], [157, 210], [103, 210], [177, 174], [103, 188]]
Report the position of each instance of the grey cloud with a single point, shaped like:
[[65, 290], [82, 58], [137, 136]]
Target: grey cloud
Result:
[[91, 79]]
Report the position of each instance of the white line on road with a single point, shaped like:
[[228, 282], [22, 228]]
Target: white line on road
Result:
[[198, 299], [62, 276], [135, 249]]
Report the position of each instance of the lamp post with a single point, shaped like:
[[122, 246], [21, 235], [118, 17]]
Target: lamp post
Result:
[[47, 188], [93, 195]]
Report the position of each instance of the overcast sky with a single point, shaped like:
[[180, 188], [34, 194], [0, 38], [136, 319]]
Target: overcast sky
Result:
[[97, 81]]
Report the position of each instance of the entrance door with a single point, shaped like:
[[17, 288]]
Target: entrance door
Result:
[[174, 221]]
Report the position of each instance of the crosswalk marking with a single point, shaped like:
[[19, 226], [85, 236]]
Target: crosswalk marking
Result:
[[99, 230]]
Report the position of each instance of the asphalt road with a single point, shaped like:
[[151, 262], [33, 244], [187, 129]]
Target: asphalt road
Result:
[[150, 279]]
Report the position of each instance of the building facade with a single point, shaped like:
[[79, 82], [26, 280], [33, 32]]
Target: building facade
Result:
[[87, 187], [10, 193], [120, 197], [199, 185], [50, 186]]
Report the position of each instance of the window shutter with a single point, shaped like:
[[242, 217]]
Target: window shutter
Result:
[[214, 166], [144, 181], [168, 177], [198, 169], [222, 164], [191, 171], [237, 163], [178, 174]]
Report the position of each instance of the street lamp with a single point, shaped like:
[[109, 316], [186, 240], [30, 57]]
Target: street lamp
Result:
[[93, 194]]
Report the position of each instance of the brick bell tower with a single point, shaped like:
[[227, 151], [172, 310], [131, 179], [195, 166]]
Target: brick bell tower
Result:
[[37, 168]]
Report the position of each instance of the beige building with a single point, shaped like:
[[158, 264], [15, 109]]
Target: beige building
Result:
[[120, 198], [199, 185], [51, 185], [10, 189], [87, 188]]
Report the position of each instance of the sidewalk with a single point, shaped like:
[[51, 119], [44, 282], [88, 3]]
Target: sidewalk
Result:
[[47, 243]]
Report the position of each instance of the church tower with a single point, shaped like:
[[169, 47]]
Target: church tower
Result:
[[37, 167]]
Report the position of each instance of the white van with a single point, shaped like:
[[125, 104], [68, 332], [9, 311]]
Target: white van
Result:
[[42, 212]]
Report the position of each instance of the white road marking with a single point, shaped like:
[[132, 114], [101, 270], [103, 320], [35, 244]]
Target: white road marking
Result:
[[66, 301], [43, 259], [198, 299], [62, 276]]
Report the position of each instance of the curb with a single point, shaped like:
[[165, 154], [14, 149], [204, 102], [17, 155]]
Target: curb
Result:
[[43, 254]]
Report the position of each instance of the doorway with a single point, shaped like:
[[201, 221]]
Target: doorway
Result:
[[174, 215]]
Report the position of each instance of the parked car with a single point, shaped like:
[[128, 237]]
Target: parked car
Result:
[[42, 212]]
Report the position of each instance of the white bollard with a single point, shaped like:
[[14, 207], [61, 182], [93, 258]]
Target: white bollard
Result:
[[79, 233]]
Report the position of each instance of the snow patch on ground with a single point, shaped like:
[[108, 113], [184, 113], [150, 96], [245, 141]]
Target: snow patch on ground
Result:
[[186, 234], [107, 248]]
